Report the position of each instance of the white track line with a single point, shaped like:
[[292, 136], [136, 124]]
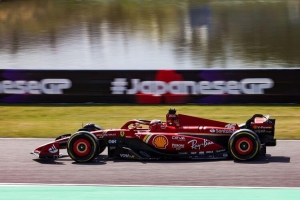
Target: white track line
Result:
[[163, 186]]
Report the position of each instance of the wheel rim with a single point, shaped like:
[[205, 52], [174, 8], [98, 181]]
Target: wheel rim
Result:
[[82, 147], [244, 146]]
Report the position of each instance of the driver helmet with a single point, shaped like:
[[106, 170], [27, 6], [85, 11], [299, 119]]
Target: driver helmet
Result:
[[155, 124]]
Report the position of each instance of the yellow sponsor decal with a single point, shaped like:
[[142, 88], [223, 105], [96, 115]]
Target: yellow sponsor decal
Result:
[[160, 141]]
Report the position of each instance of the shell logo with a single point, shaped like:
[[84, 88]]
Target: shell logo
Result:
[[160, 141]]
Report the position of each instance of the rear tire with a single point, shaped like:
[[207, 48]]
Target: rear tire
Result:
[[83, 146], [244, 145]]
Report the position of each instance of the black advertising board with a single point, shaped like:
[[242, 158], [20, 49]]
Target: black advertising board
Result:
[[150, 86]]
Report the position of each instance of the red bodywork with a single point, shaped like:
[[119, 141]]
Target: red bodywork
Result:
[[179, 133]]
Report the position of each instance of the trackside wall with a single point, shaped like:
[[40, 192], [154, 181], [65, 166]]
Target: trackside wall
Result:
[[150, 86]]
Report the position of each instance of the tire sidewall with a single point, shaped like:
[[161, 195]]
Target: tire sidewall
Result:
[[244, 133], [94, 145]]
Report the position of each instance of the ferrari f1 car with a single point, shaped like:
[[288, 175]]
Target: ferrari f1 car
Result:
[[180, 136]]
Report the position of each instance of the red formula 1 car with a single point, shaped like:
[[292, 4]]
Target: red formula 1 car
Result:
[[181, 136]]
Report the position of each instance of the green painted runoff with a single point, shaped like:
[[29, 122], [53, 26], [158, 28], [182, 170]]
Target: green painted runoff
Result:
[[35, 192]]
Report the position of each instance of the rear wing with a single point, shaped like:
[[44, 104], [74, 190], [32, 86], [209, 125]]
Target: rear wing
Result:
[[264, 127]]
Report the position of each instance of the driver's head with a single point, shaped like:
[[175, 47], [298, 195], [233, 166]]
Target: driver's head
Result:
[[155, 124]]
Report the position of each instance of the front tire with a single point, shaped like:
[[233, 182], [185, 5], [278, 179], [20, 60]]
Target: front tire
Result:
[[244, 145], [83, 146]]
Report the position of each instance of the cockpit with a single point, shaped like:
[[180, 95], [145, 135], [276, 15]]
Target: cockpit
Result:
[[156, 125]]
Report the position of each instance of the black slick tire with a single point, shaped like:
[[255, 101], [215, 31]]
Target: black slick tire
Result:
[[244, 145], [83, 146]]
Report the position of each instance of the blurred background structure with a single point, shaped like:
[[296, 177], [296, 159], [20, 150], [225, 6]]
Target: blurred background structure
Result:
[[150, 34]]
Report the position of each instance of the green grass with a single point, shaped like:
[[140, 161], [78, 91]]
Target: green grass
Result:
[[51, 121]]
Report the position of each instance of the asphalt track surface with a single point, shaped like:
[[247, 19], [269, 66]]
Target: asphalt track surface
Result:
[[280, 168]]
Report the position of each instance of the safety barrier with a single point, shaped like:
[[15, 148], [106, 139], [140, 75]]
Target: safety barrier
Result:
[[150, 86]]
